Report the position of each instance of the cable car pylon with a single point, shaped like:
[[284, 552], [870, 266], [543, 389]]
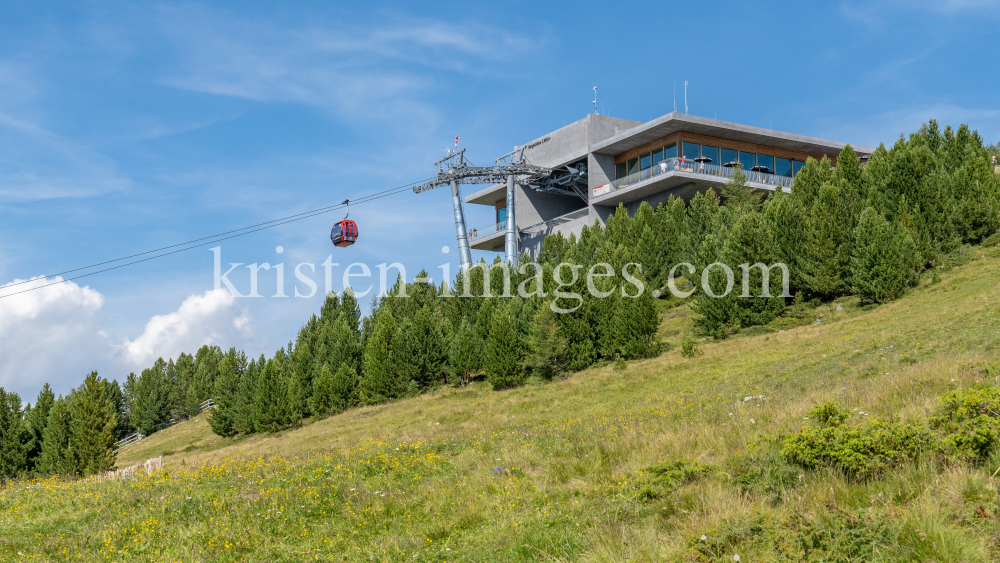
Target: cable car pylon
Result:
[[454, 170]]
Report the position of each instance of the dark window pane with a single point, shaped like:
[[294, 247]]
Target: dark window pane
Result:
[[501, 215], [783, 167], [644, 162], [633, 166], [764, 160], [670, 151], [690, 149], [728, 155], [796, 166], [711, 152], [657, 156], [620, 170], [748, 160]]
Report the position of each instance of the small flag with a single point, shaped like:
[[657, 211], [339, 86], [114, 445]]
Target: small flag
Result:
[[456, 141]]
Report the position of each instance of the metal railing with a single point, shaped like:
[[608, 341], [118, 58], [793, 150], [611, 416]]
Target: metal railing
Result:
[[128, 440], [687, 165], [476, 233]]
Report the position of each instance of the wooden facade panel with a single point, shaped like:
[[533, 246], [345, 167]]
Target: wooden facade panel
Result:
[[721, 143]]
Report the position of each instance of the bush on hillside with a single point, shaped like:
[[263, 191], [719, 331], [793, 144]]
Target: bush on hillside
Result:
[[828, 414], [862, 452], [969, 422], [668, 476]]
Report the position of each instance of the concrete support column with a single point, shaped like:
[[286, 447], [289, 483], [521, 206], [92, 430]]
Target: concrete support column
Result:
[[464, 253], [510, 239]]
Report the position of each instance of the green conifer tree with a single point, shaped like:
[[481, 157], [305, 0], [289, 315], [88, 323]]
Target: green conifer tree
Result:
[[502, 351], [92, 426], [422, 349], [464, 353], [323, 398], [222, 419], [244, 418], [15, 437], [57, 452], [750, 243], [546, 344], [36, 422], [380, 375], [150, 409], [882, 263], [738, 196], [825, 268], [270, 406]]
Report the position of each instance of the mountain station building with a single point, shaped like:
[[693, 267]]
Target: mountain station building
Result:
[[604, 161]]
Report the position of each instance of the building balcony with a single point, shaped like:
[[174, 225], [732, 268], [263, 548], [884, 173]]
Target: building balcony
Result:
[[488, 238], [681, 176]]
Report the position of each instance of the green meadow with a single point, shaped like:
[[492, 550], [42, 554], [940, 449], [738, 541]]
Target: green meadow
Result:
[[673, 458]]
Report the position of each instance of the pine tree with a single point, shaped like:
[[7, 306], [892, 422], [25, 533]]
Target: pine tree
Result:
[[421, 349], [222, 419], [206, 370], [502, 351], [740, 197], [716, 312], [36, 422], [57, 454], [787, 223], [14, 435], [380, 377], [825, 259], [117, 399], [699, 222], [150, 409], [334, 393], [464, 353], [301, 365], [882, 263], [323, 397], [546, 344], [244, 417], [92, 426], [270, 406], [750, 243]]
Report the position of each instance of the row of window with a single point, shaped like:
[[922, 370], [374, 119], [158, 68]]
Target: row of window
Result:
[[714, 155]]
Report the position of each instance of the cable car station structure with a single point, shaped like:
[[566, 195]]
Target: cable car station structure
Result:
[[580, 173]]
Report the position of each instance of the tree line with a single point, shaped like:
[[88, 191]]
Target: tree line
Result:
[[852, 229]]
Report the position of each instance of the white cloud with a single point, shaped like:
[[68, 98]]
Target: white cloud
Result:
[[48, 335], [213, 318]]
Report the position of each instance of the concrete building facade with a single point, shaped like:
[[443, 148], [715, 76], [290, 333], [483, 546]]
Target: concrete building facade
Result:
[[617, 161]]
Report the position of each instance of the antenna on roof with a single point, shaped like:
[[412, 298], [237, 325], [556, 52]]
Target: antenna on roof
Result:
[[595, 99], [685, 97], [675, 96]]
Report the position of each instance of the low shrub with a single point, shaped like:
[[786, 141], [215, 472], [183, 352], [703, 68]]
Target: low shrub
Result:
[[689, 347], [835, 536], [668, 476], [862, 452], [969, 422], [828, 414]]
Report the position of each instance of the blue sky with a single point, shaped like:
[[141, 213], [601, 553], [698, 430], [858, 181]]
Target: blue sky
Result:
[[129, 126]]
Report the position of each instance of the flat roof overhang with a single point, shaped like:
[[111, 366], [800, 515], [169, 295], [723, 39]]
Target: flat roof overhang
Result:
[[489, 195], [674, 122], [680, 184]]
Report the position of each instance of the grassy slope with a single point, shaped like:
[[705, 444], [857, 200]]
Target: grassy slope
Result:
[[555, 471]]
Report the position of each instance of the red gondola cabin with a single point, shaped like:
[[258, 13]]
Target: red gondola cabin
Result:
[[344, 233]]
